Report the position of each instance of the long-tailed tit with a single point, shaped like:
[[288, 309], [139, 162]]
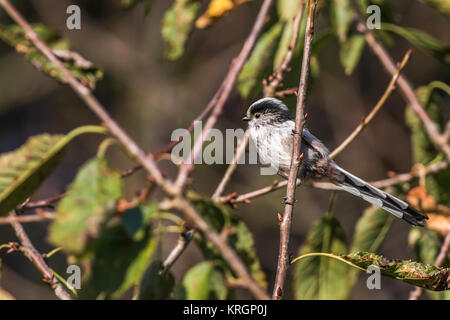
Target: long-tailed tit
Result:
[[271, 128]]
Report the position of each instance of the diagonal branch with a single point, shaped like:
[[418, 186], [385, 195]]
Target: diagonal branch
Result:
[[407, 91], [36, 258], [285, 225], [229, 81], [391, 87]]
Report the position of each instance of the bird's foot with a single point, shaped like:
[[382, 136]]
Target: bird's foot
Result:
[[285, 201]]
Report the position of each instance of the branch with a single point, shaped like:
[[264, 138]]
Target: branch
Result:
[[228, 85], [391, 87], [36, 258], [41, 215], [285, 225], [231, 168], [277, 76], [417, 292], [407, 91], [182, 243]]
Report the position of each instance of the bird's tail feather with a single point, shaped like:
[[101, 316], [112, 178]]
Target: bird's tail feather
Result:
[[379, 198]]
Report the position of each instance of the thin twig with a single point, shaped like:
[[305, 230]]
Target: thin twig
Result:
[[36, 258], [385, 183], [182, 243], [229, 81], [231, 168], [417, 292], [366, 120], [407, 91], [38, 217], [285, 225], [276, 78]]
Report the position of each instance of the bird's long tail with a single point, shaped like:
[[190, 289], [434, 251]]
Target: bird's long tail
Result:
[[379, 198]]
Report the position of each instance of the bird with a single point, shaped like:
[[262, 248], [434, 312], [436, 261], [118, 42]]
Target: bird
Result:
[[271, 129]]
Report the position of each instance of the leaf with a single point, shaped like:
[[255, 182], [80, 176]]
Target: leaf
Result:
[[204, 281], [423, 149], [177, 24], [422, 40], [118, 262], [427, 245], [341, 15], [23, 170], [90, 202], [216, 10], [156, 284], [240, 237], [371, 229], [287, 9], [259, 64], [412, 272], [86, 73], [319, 277], [443, 6], [351, 52]]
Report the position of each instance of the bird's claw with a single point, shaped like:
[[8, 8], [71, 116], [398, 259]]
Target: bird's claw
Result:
[[285, 201]]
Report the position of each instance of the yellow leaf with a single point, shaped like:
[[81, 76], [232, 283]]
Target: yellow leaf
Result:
[[216, 10]]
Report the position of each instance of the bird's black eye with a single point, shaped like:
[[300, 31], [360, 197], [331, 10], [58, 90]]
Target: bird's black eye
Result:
[[257, 115]]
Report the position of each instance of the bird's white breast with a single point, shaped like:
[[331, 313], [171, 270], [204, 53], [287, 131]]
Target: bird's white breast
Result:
[[273, 144]]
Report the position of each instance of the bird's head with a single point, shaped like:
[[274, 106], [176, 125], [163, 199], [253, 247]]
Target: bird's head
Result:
[[267, 111]]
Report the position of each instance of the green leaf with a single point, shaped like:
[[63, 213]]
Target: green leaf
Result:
[[351, 52], [23, 170], [422, 40], [371, 229], [443, 6], [412, 272], [287, 9], [320, 277], [427, 245], [156, 283], [423, 149], [135, 220], [240, 239], [89, 204], [204, 281], [118, 262], [80, 68], [259, 64], [177, 24], [341, 15]]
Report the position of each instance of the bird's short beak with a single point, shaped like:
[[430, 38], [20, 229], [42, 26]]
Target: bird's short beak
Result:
[[245, 118]]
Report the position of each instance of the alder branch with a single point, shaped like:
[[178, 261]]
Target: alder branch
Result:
[[366, 120], [417, 292], [36, 258], [39, 216], [148, 162], [296, 158], [407, 91], [182, 243]]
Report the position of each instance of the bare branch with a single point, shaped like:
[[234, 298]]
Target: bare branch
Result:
[[182, 243], [285, 225], [36, 258]]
